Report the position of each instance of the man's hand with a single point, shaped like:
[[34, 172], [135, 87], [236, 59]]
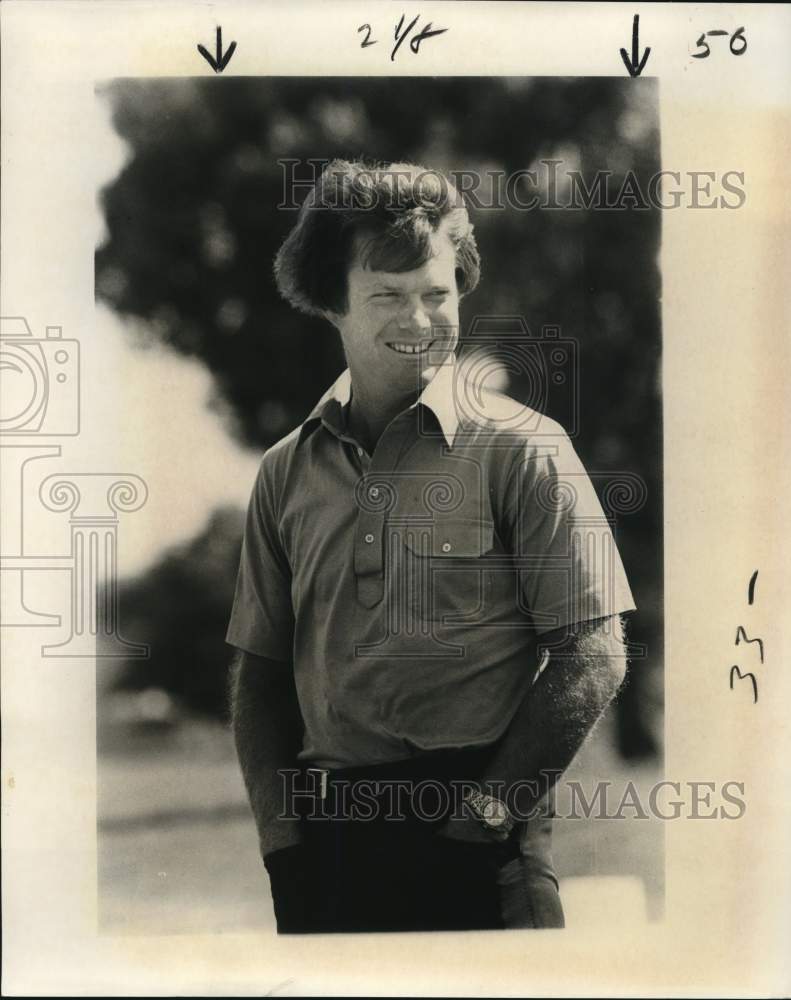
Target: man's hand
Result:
[[584, 672], [470, 830]]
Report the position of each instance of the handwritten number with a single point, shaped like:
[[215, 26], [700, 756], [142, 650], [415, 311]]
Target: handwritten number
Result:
[[400, 33], [743, 677], [401, 36], [751, 587], [425, 32], [367, 40], [741, 634], [737, 43], [738, 36], [702, 43]]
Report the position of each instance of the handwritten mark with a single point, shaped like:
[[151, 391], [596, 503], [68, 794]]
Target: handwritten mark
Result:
[[737, 43], [414, 43], [425, 33], [401, 33], [400, 36], [741, 634], [218, 62], [742, 677], [367, 40], [635, 65]]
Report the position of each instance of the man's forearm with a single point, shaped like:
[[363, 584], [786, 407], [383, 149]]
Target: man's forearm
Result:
[[558, 713], [267, 729], [555, 717]]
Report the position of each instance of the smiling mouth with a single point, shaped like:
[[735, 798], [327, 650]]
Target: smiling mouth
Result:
[[410, 349]]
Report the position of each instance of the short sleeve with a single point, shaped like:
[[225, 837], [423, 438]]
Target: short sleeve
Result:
[[262, 616], [569, 566]]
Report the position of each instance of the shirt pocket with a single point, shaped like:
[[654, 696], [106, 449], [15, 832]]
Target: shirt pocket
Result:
[[446, 570]]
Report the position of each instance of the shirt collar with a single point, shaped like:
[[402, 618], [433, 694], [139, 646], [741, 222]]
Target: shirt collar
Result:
[[438, 396], [329, 409]]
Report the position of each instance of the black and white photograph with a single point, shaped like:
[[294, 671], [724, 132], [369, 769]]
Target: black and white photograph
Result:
[[392, 412], [441, 337]]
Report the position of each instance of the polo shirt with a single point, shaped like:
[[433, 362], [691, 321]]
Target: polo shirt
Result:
[[409, 588]]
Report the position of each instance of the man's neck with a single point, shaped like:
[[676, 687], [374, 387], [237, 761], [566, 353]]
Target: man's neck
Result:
[[370, 413]]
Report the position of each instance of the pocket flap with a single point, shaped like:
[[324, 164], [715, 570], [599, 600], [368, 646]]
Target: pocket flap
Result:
[[450, 537]]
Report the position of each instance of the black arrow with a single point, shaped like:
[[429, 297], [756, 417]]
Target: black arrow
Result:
[[635, 65], [220, 61]]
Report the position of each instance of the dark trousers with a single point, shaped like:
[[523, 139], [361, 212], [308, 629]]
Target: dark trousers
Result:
[[385, 867]]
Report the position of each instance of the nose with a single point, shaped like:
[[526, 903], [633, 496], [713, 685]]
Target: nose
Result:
[[413, 317]]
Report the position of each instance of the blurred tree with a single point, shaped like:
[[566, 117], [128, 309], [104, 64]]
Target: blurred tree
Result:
[[180, 608], [193, 225]]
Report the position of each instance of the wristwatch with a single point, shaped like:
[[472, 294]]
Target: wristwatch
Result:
[[492, 813]]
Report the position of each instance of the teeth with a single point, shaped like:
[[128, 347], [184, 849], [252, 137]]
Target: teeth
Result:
[[410, 348]]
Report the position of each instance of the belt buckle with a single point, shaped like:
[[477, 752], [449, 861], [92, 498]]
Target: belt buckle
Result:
[[323, 775]]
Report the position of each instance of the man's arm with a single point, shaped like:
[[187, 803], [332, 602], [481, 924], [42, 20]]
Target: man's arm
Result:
[[583, 675], [267, 729]]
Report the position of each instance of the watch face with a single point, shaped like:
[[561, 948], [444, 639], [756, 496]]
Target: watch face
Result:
[[494, 813]]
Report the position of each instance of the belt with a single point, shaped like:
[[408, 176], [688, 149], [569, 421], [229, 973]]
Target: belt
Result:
[[428, 787], [441, 765]]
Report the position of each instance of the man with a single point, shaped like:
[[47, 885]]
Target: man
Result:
[[405, 548]]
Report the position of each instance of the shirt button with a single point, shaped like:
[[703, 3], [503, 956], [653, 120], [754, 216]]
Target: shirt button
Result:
[[446, 546], [369, 538], [359, 451]]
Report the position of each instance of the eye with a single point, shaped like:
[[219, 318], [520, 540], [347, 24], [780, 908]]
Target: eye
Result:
[[437, 296]]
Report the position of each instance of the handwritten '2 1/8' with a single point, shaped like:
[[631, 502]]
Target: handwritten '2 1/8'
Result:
[[400, 33]]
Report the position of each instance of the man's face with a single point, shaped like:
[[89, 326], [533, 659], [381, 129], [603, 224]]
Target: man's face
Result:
[[392, 320]]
